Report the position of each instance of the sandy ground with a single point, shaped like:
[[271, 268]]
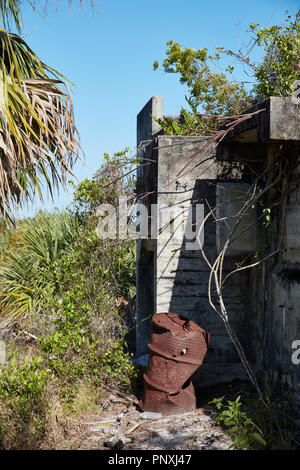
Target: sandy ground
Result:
[[120, 425]]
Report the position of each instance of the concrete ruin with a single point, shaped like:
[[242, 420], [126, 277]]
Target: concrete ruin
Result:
[[172, 276]]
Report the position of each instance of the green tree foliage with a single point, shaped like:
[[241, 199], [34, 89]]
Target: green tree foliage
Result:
[[212, 90], [216, 93], [188, 123], [280, 66], [114, 178]]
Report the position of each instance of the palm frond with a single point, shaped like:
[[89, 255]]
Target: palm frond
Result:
[[169, 125], [38, 138], [29, 267], [10, 10], [188, 118]]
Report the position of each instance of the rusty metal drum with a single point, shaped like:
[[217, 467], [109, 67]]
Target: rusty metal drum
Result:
[[177, 349]]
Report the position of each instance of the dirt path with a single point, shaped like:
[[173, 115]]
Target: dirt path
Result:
[[122, 425]]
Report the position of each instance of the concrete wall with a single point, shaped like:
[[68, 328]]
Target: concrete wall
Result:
[[275, 319], [172, 275], [181, 273], [147, 129], [263, 303], [146, 126]]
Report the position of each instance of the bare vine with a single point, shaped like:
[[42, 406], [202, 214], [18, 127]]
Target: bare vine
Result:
[[276, 179], [271, 186]]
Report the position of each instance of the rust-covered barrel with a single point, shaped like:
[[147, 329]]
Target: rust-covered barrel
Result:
[[177, 349]]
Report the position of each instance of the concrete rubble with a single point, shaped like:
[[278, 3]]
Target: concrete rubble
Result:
[[122, 426]]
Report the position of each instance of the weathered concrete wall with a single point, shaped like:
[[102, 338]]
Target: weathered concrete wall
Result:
[[262, 303], [180, 272], [275, 319], [230, 198], [146, 252], [147, 128]]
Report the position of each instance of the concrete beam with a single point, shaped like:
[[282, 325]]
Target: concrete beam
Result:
[[278, 121]]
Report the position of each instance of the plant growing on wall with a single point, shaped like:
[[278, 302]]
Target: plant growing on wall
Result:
[[217, 93]]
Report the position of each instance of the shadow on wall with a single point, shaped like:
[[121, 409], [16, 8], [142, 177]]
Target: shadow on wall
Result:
[[182, 283]]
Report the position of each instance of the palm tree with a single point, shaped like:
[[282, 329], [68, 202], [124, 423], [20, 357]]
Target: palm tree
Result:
[[38, 137]]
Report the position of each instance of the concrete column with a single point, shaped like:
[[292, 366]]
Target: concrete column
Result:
[[147, 129]]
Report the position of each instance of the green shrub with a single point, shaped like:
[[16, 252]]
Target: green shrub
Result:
[[24, 408], [87, 343], [117, 365], [257, 424], [60, 280], [243, 430]]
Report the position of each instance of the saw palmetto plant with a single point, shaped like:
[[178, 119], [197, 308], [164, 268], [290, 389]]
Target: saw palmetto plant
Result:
[[38, 138], [28, 268]]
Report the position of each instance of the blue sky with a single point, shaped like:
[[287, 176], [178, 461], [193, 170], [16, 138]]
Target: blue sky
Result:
[[109, 56]]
